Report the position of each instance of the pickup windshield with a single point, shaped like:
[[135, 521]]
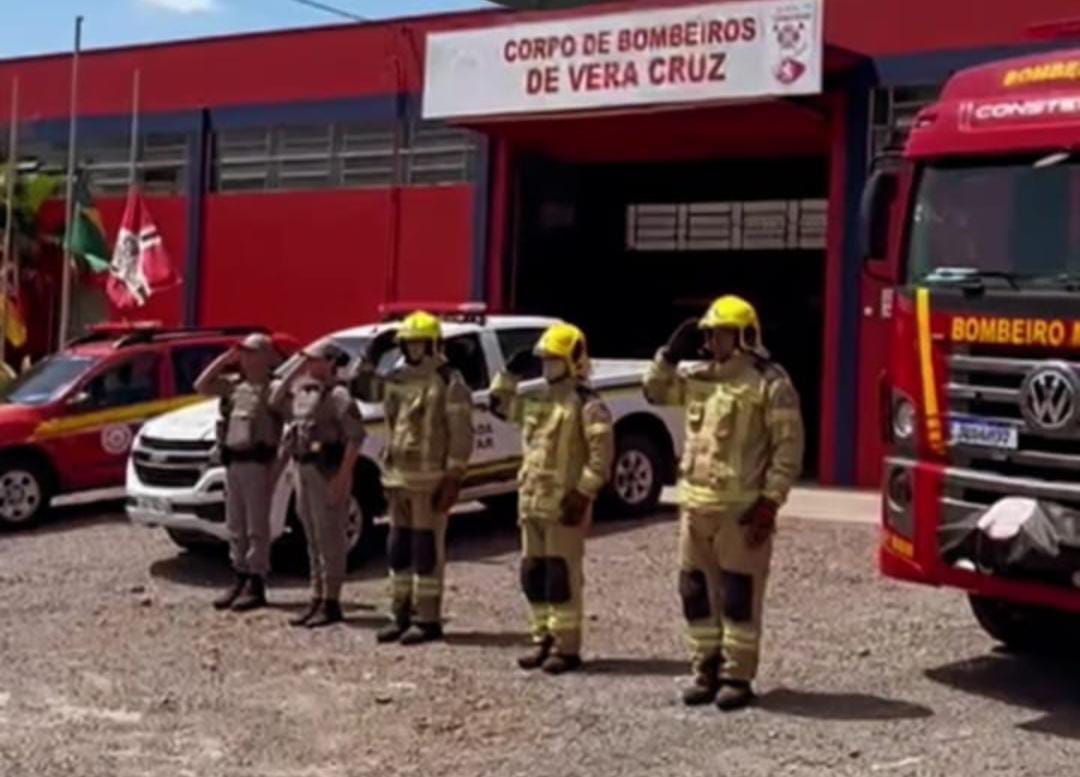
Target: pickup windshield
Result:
[[1008, 217], [48, 379]]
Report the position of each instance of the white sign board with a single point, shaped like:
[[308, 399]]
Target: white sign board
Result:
[[714, 51]]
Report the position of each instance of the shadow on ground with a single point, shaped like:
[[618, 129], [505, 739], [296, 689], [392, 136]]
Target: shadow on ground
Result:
[[839, 706], [475, 537], [1046, 683]]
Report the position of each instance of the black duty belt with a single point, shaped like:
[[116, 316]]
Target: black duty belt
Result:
[[260, 454]]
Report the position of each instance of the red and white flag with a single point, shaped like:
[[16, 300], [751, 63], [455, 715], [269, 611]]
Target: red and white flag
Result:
[[140, 264]]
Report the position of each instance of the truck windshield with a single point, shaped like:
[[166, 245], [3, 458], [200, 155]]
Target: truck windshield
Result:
[[47, 379], [1004, 216]]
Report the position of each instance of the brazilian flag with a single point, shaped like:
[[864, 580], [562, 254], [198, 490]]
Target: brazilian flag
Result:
[[87, 233]]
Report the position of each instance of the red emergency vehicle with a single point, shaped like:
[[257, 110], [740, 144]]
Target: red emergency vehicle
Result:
[[977, 231], [66, 425]]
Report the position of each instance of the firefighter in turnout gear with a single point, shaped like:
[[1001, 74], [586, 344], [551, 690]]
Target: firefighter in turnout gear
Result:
[[569, 446], [248, 438], [743, 452], [430, 437], [322, 440]]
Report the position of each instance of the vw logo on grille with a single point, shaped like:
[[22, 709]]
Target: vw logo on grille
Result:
[[1050, 397]]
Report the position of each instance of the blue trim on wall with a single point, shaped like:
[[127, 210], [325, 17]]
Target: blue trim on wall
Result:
[[198, 172], [857, 128], [481, 213], [91, 127], [935, 67], [373, 108]]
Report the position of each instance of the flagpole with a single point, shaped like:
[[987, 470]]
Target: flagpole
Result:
[[135, 86], [9, 228], [69, 200]]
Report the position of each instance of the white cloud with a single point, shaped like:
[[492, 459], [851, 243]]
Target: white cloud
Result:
[[182, 6]]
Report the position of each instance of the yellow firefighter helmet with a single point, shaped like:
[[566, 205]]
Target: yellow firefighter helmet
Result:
[[567, 342], [731, 312], [419, 327]]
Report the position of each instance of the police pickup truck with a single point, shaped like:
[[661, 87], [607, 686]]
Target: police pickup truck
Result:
[[173, 481]]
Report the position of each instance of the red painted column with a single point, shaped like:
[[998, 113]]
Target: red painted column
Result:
[[498, 215]]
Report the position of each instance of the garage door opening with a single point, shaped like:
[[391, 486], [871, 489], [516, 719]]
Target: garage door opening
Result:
[[629, 250]]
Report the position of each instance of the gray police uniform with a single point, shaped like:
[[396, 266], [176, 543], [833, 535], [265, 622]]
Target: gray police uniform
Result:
[[248, 439], [323, 419]]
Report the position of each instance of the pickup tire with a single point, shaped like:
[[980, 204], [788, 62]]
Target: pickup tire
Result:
[[1021, 628], [26, 487], [290, 551], [194, 542], [637, 476]]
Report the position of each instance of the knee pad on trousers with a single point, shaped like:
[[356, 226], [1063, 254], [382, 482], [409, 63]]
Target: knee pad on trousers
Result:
[[558, 581], [534, 579], [423, 551], [738, 596], [399, 548], [694, 592]]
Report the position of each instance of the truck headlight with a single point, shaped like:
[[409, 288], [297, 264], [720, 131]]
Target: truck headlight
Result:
[[903, 419]]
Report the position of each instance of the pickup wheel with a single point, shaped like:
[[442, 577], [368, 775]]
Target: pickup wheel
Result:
[[1021, 628], [637, 476], [292, 546], [26, 486]]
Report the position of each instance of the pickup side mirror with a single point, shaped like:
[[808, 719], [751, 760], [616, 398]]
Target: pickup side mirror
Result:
[[875, 210], [80, 400]]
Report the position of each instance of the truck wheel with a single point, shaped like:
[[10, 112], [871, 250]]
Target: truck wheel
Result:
[[636, 478], [25, 490], [1023, 628], [291, 548]]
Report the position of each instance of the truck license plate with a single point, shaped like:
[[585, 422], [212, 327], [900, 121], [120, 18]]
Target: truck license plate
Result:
[[984, 434], [155, 504]]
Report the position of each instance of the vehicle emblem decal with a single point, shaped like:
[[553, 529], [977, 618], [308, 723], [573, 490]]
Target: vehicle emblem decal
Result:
[[1050, 397]]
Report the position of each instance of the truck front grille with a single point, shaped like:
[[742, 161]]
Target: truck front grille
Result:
[[168, 478], [985, 386], [171, 463]]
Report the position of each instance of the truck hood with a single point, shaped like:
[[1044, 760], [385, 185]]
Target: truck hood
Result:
[[197, 422], [17, 422], [191, 423]]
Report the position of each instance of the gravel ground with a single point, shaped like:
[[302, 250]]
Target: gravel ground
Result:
[[113, 663]]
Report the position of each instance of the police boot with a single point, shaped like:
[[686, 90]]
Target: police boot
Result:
[[225, 601], [419, 633], [328, 614], [734, 695], [309, 612], [392, 631], [559, 663], [705, 685], [538, 656], [253, 597]]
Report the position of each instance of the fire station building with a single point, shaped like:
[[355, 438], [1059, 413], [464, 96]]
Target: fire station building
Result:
[[616, 164]]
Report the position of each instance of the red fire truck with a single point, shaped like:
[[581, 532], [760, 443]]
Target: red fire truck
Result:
[[973, 236]]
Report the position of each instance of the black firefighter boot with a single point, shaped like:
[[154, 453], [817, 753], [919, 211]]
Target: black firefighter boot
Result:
[[310, 612], [327, 615], [392, 631], [538, 656], [253, 597], [705, 686], [225, 601], [734, 695]]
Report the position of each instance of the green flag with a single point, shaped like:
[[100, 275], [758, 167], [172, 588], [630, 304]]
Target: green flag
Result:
[[87, 234]]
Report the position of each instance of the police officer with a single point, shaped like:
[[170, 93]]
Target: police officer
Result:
[[429, 439], [248, 438], [743, 452], [569, 446], [322, 439]]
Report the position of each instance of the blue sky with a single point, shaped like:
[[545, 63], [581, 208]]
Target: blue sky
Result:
[[40, 26]]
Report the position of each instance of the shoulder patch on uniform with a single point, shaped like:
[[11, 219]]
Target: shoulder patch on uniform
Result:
[[596, 411], [784, 394]]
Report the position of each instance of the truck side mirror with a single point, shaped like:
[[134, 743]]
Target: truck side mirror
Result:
[[875, 210], [80, 400]]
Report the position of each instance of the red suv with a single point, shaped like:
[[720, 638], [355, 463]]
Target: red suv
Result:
[[66, 424]]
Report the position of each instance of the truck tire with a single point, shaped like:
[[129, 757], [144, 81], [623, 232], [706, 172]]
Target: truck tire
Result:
[[26, 487], [636, 477], [1022, 628], [290, 551]]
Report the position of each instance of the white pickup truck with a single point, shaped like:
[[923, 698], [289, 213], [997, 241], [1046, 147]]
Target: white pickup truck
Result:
[[173, 482]]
